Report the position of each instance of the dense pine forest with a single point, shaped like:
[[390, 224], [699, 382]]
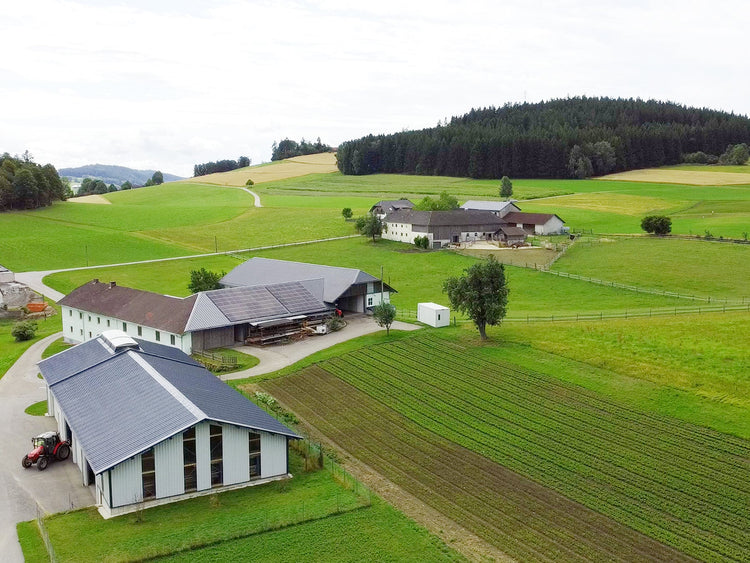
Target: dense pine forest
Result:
[[27, 185], [566, 138]]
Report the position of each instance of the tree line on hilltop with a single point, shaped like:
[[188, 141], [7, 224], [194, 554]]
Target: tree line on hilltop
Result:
[[220, 166], [25, 184], [566, 138], [288, 148]]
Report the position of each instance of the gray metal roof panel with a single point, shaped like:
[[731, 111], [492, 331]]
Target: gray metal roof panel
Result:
[[266, 271], [486, 205], [117, 410], [216, 399], [205, 315], [77, 358]]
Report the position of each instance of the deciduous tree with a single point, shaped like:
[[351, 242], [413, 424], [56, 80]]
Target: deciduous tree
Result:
[[384, 314], [204, 280], [369, 225], [481, 293], [657, 224]]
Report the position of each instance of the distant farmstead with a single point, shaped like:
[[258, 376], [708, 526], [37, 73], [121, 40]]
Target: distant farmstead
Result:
[[149, 425], [382, 208]]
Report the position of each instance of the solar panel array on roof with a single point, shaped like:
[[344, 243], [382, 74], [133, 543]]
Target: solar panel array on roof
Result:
[[294, 296], [243, 303]]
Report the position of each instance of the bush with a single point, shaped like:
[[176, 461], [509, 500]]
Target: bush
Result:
[[422, 242], [347, 212], [249, 182], [24, 330], [657, 224], [699, 158], [735, 155]]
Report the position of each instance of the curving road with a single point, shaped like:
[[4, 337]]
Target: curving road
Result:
[[56, 489]]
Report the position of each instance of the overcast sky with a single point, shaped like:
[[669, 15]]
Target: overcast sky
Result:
[[165, 85]]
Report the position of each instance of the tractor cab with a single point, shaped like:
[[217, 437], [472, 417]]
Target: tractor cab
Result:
[[47, 446]]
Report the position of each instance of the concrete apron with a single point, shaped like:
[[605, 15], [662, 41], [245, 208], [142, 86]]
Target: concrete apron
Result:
[[27, 491]]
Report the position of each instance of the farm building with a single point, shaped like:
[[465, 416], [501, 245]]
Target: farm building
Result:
[[382, 208], [203, 321], [433, 314], [499, 208], [442, 227], [536, 223], [348, 289], [149, 425]]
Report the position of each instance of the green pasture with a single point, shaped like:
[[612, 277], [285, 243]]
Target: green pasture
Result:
[[691, 267], [37, 409], [10, 350], [378, 533], [57, 346], [417, 276]]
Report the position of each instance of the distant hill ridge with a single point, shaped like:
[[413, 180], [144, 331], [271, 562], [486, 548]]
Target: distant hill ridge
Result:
[[564, 138], [111, 174]]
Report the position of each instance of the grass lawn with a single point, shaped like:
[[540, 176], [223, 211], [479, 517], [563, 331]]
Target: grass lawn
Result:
[[718, 270], [290, 514], [244, 361], [37, 409], [31, 542], [10, 350], [57, 346], [417, 276], [360, 535]]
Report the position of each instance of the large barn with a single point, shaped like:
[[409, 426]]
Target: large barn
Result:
[[211, 319], [348, 289], [149, 425]]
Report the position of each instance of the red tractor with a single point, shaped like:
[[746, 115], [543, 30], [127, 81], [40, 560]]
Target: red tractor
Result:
[[47, 447]]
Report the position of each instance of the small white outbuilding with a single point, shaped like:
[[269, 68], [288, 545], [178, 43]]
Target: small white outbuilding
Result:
[[433, 314]]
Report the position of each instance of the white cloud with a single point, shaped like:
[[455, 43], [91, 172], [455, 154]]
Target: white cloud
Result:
[[168, 84]]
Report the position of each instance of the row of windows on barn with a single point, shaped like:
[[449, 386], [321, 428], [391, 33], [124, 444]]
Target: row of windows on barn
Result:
[[190, 473], [172, 338]]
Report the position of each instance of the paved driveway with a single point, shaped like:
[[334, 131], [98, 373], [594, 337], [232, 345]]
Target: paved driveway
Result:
[[278, 356], [56, 489]]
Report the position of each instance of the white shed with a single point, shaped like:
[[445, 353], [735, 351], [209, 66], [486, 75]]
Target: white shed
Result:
[[433, 314]]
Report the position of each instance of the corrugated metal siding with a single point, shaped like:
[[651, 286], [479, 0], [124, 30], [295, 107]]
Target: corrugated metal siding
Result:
[[273, 454], [127, 482], [102, 485], [236, 452], [203, 455], [170, 478]]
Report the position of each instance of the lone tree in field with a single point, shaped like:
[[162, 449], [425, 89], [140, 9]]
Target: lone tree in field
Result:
[[347, 212], [204, 280], [370, 225], [481, 293], [506, 187], [384, 314], [659, 225]]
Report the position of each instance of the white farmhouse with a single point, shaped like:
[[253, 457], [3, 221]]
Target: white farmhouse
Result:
[[499, 208], [442, 227], [536, 223], [148, 425]]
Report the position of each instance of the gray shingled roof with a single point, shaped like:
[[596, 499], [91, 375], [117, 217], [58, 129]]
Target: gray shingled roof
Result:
[[119, 404], [266, 271], [392, 204], [529, 218], [487, 205], [161, 312], [225, 307], [454, 217]]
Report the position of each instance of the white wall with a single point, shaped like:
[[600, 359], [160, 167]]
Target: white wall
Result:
[[127, 482], [170, 467], [203, 455], [236, 454], [80, 326], [401, 232], [273, 452]]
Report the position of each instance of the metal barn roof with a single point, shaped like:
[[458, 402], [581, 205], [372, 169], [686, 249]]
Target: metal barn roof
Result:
[[120, 403], [265, 271]]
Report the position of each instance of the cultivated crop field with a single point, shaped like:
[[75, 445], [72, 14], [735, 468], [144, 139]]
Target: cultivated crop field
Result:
[[697, 175], [323, 163], [677, 483]]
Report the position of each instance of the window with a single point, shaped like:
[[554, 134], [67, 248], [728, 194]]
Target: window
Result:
[[107, 322], [148, 472], [140, 331], [81, 332], [189, 460], [98, 320], [89, 318], [89, 334], [369, 301], [438, 316], [80, 316], [158, 336], [124, 327], [70, 312], [71, 329], [171, 339], [254, 441], [217, 451]]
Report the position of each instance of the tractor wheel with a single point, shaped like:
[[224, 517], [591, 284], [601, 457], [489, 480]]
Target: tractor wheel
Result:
[[26, 462], [63, 451], [41, 465]]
